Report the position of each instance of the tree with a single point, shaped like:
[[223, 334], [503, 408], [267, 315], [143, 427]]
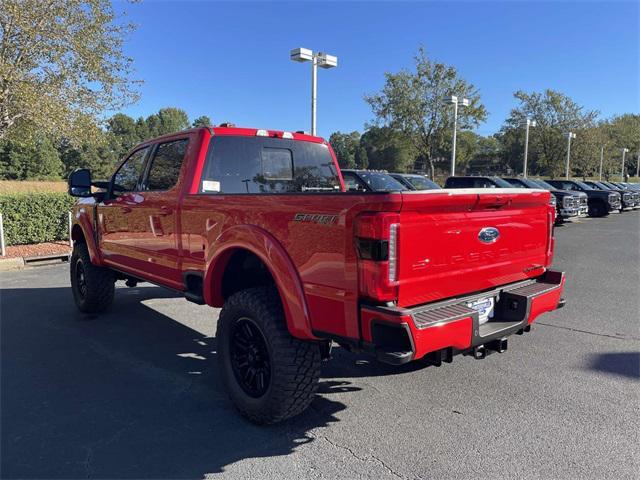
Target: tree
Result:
[[61, 66], [39, 161], [346, 146], [623, 131], [415, 104], [555, 114], [122, 134], [388, 149], [202, 121], [167, 120]]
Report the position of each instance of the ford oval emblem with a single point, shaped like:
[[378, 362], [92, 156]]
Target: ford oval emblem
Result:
[[489, 235]]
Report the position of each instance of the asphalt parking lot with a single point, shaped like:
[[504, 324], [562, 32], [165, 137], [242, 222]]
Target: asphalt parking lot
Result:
[[135, 393]]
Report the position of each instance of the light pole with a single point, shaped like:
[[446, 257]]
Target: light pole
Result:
[[601, 160], [624, 151], [569, 136], [317, 59], [638, 165], [529, 123], [465, 103]]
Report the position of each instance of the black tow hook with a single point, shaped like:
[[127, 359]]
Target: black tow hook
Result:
[[479, 352]]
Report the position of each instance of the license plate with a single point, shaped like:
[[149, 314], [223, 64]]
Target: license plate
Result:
[[484, 307]]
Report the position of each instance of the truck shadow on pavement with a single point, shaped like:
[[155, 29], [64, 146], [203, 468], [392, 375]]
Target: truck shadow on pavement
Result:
[[132, 393], [624, 364]]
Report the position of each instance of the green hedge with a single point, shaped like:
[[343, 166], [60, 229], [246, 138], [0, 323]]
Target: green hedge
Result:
[[35, 217]]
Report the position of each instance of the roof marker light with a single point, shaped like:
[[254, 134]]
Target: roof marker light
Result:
[[262, 133], [287, 135]]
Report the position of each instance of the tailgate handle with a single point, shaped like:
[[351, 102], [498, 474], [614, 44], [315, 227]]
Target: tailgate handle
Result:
[[496, 202]]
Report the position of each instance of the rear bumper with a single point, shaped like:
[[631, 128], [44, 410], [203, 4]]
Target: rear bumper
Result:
[[398, 335]]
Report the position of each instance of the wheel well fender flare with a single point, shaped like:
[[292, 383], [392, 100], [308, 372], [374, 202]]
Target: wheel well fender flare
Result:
[[82, 229], [267, 248]]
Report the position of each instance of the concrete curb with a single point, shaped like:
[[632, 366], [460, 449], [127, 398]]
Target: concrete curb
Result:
[[16, 263]]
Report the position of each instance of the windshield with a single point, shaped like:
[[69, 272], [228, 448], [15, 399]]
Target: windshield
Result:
[[544, 184], [606, 186], [421, 183], [584, 186], [501, 183], [381, 182]]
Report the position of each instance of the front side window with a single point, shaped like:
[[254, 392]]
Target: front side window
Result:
[[166, 164], [238, 164], [128, 176]]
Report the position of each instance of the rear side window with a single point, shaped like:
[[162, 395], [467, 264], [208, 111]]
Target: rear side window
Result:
[[129, 175], [237, 164], [458, 182], [166, 164], [351, 183]]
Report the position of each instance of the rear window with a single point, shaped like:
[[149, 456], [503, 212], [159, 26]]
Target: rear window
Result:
[[237, 164]]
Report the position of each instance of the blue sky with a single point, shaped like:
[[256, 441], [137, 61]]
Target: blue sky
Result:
[[231, 60]]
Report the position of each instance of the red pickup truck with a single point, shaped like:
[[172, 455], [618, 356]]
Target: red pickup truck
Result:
[[258, 222]]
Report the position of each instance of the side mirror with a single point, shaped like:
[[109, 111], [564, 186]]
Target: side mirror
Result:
[[80, 183]]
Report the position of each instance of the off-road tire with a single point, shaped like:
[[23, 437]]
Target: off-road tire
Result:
[[93, 289], [294, 365]]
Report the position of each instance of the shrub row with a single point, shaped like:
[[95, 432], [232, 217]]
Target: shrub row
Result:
[[35, 217]]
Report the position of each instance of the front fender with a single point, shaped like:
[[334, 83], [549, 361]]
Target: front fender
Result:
[[273, 255], [83, 226]]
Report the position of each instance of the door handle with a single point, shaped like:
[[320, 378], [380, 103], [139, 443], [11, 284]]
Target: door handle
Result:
[[165, 211]]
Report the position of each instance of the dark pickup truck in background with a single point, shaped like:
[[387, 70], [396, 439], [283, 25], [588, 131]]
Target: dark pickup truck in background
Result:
[[600, 202], [415, 181], [629, 198], [583, 209], [371, 181], [567, 203]]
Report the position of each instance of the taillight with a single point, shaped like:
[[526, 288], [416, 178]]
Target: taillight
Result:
[[551, 241], [377, 246]]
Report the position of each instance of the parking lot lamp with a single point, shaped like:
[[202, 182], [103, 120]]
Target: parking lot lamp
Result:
[[624, 152], [465, 103], [317, 59], [569, 136], [528, 123]]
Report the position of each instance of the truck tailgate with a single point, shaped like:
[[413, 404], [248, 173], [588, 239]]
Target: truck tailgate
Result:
[[452, 242]]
